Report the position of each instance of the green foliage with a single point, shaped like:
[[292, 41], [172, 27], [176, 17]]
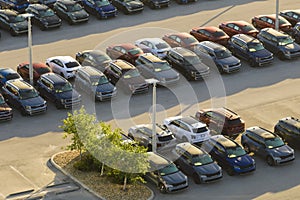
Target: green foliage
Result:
[[87, 163]]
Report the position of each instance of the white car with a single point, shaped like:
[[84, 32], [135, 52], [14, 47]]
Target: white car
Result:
[[66, 66], [187, 129], [156, 46]]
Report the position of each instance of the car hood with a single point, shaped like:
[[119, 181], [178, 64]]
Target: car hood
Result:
[[168, 74], [292, 46], [200, 67], [261, 53], [210, 168], [174, 178], [68, 94], [282, 150], [51, 19], [106, 87], [21, 25], [229, 60], [4, 107], [80, 13], [107, 8], [33, 101], [242, 160], [134, 3], [134, 80]]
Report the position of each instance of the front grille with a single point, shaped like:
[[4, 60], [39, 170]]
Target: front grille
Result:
[[37, 107], [4, 115], [106, 93], [177, 184], [214, 174], [266, 58], [287, 156], [246, 166]]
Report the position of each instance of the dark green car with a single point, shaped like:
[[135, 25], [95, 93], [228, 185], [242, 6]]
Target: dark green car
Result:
[[14, 22], [71, 11]]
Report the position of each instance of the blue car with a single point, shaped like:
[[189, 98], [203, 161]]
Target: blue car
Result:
[[17, 5], [229, 155], [267, 145], [8, 74], [100, 8]]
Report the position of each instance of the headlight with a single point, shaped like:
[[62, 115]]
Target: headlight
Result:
[[236, 167], [226, 66], [98, 93], [28, 107], [115, 88]]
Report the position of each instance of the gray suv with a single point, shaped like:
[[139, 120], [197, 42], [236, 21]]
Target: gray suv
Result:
[[215, 54]]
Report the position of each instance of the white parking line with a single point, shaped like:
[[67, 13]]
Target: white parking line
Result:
[[18, 172]]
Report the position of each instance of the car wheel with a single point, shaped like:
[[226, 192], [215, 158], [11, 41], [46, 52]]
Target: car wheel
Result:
[[252, 63], [162, 188], [196, 178], [62, 74], [126, 11], [230, 171], [98, 16], [184, 139], [152, 6], [221, 70], [23, 111], [12, 32], [57, 104], [247, 148], [149, 147], [281, 56], [270, 161]]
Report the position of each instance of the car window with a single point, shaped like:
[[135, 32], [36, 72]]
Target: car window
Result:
[[263, 19], [184, 127], [236, 151], [199, 160], [101, 3], [170, 169], [116, 71], [28, 94], [270, 21], [273, 142], [230, 25], [72, 64], [12, 90], [58, 62]]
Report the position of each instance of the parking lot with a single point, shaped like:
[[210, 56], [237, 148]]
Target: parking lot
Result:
[[260, 96]]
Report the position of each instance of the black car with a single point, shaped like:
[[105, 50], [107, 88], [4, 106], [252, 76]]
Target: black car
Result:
[[15, 23], [250, 49], [129, 6], [24, 97], [58, 90], [100, 8], [124, 75], [197, 163], [288, 129], [267, 145], [295, 33], [94, 83], [70, 11], [43, 16], [7, 74], [17, 5], [293, 16], [187, 63], [5, 111], [153, 4], [279, 43], [94, 58], [165, 175]]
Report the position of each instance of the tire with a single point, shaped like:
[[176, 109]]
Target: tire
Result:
[[98, 16], [62, 74], [57, 105], [184, 139], [12, 32], [252, 63], [149, 148], [220, 69], [281, 56], [152, 6], [230, 171], [247, 148], [270, 161], [196, 178], [162, 188], [125, 10], [23, 112]]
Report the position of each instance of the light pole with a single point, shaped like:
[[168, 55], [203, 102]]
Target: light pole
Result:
[[28, 16], [153, 82], [277, 17]]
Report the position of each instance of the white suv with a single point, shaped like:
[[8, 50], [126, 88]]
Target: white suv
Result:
[[66, 66], [187, 129]]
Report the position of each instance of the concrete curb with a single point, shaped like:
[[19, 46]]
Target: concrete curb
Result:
[[82, 184]]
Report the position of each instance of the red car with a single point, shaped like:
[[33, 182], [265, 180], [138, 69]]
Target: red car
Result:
[[237, 27], [126, 51], [268, 21], [38, 70], [180, 40], [210, 33]]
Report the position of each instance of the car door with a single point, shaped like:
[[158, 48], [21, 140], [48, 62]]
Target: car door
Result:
[[12, 96], [230, 29], [90, 6], [186, 164], [154, 177], [200, 35], [24, 71], [174, 127], [219, 154], [141, 137], [61, 10]]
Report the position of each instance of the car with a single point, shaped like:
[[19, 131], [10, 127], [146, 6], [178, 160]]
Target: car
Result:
[[282, 45], [48, 3], [238, 27], [154, 4], [13, 22], [229, 155], [24, 97], [126, 76], [288, 128], [101, 8], [43, 16], [129, 6], [142, 134], [268, 21], [187, 63], [222, 121], [250, 49], [66, 66], [38, 69], [164, 174], [210, 33], [267, 145], [293, 16], [94, 83], [180, 40], [151, 66], [94, 58], [17, 5], [185, 1], [197, 163], [7, 74], [187, 129], [71, 11], [5, 111], [295, 33], [58, 90], [214, 54], [125, 51], [156, 46]]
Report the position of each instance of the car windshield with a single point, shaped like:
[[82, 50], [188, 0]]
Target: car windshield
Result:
[[72, 64], [161, 66], [73, 8], [63, 88], [189, 40], [193, 60], [102, 58], [199, 160], [285, 41], [12, 76], [257, 46], [170, 169], [248, 28], [162, 46], [283, 21], [273, 142], [223, 54], [99, 80], [218, 34], [131, 73], [16, 19], [237, 151], [28, 94], [101, 3], [42, 70], [2, 101], [200, 130], [46, 13], [236, 121], [135, 51]]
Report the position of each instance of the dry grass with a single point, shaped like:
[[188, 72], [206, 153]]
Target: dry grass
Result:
[[102, 185]]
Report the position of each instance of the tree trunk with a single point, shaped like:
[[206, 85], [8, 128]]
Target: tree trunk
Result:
[[125, 182], [102, 169]]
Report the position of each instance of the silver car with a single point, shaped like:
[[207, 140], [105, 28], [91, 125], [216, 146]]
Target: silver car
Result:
[[156, 46]]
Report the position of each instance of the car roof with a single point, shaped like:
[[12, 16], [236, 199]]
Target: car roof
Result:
[[273, 32], [181, 35], [37, 6], [67, 2], [54, 78], [36, 65], [64, 59], [191, 149], [123, 64], [246, 38], [126, 46], [225, 142], [292, 121], [20, 84], [238, 22], [210, 29], [151, 57], [183, 51], [9, 12], [261, 132], [189, 120], [91, 71], [294, 11], [152, 40], [6, 71], [223, 111], [157, 159], [94, 52], [212, 45]]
